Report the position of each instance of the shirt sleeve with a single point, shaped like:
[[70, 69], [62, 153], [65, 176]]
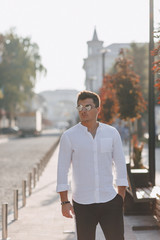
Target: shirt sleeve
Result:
[[64, 162], [119, 161]]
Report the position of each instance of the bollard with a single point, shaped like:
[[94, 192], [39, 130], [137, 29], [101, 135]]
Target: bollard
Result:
[[30, 183], [40, 168], [38, 171], [34, 177], [15, 204], [43, 163], [4, 221], [24, 192]]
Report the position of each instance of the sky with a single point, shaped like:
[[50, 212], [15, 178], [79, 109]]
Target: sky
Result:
[[62, 28]]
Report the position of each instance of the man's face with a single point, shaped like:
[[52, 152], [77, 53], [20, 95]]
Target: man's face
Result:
[[85, 115]]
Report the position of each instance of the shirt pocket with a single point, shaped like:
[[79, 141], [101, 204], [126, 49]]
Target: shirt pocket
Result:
[[106, 145]]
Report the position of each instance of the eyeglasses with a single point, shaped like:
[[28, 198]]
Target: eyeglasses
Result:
[[88, 107]]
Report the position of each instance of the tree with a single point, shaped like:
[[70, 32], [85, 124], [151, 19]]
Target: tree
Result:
[[139, 54], [121, 94], [128, 91], [19, 66], [109, 102]]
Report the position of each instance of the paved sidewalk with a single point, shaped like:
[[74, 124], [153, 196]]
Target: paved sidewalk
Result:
[[42, 219]]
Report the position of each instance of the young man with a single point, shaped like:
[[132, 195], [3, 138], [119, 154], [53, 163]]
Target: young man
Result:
[[92, 148]]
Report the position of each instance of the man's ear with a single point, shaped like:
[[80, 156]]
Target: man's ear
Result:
[[99, 109]]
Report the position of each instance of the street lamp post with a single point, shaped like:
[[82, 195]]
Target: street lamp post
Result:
[[103, 51], [151, 142], [103, 63], [91, 84]]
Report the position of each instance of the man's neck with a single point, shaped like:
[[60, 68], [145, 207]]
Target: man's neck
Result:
[[91, 126]]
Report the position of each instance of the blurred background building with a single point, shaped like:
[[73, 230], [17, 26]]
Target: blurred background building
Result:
[[61, 107], [99, 61]]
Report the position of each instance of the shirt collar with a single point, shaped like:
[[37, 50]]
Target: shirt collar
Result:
[[84, 128]]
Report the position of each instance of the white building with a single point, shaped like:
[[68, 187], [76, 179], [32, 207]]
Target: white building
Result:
[[100, 59]]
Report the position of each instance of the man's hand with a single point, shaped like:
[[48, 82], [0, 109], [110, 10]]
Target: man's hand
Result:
[[122, 191], [67, 210]]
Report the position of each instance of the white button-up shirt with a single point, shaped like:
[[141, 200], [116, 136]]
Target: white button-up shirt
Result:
[[92, 162]]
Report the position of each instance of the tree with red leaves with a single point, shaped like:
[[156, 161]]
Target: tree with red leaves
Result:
[[121, 94], [109, 102], [128, 91]]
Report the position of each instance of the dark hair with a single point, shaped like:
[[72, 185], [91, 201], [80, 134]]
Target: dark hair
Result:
[[88, 94]]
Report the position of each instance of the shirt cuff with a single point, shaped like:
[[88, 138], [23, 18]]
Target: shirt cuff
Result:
[[62, 188], [121, 182]]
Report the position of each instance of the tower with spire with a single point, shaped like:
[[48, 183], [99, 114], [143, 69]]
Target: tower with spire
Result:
[[94, 46], [99, 61], [93, 64]]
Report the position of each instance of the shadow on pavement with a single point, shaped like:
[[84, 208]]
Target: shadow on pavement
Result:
[[51, 200]]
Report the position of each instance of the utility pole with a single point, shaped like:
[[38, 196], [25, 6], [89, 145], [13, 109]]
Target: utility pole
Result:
[[151, 142], [103, 52]]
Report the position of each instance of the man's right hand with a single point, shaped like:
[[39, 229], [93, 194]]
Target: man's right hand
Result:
[[67, 210]]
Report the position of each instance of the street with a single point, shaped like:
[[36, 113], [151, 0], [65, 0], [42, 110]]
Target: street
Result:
[[42, 217], [18, 156]]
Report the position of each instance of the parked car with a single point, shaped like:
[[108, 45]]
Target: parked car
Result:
[[9, 130]]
